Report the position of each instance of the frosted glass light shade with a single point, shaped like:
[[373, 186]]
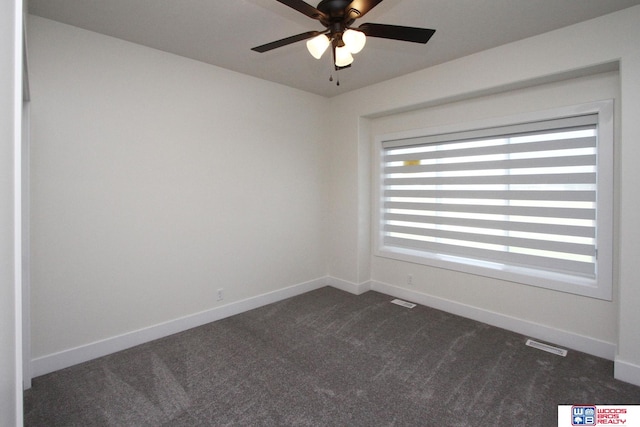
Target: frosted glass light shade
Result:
[[318, 45], [354, 40], [343, 56]]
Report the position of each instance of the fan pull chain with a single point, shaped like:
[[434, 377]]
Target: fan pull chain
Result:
[[337, 78], [333, 67]]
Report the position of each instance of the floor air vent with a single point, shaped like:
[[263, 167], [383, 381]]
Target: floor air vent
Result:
[[403, 303], [546, 347]]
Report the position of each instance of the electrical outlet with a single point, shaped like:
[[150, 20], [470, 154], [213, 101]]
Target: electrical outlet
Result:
[[409, 279], [220, 294]]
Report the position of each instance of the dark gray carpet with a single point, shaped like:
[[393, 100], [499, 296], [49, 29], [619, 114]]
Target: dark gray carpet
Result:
[[327, 358]]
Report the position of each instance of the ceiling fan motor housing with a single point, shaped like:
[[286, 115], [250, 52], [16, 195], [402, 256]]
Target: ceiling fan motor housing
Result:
[[338, 18], [337, 11]]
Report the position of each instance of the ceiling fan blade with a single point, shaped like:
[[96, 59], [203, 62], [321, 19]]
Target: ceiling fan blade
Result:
[[397, 32], [286, 41], [358, 8], [305, 8]]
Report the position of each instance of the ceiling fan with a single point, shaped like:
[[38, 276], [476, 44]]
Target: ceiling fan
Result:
[[338, 16]]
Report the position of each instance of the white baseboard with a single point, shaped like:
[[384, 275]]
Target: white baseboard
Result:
[[53, 362], [551, 335], [627, 372], [344, 285]]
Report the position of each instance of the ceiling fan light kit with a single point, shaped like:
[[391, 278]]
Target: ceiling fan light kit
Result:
[[317, 45], [343, 57], [338, 16], [354, 40]]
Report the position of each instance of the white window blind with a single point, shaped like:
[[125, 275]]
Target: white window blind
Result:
[[520, 195]]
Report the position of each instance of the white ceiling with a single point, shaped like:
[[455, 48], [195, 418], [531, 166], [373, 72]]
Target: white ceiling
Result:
[[222, 32]]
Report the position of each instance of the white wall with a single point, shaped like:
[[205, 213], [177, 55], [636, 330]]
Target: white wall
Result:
[[157, 180], [10, 141], [573, 51]]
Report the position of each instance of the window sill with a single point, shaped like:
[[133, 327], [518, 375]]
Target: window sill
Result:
[[547, 279]]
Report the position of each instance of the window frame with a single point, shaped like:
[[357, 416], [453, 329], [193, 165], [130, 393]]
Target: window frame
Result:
[[600, 287]]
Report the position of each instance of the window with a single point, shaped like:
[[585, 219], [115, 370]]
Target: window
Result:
[[526, 199]]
